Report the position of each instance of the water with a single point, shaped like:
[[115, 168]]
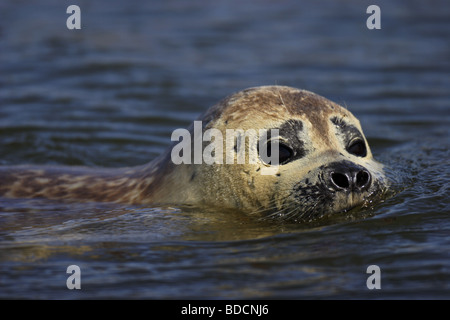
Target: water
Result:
[[111, 94]]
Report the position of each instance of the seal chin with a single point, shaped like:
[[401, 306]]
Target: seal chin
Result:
[[351, 204]]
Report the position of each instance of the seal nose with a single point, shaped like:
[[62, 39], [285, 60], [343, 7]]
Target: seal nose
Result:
[[349, 177]]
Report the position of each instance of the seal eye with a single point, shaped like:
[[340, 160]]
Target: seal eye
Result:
[[285, 153], [358, 148]]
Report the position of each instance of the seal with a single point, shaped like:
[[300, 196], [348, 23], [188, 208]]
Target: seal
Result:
[[324, 166]]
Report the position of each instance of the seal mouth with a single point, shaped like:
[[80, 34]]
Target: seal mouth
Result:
[[316, 202]]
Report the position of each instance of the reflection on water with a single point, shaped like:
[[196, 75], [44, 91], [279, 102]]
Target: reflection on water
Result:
[[111, 94]]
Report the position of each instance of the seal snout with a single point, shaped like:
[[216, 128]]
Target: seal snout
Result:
[[349, 177]]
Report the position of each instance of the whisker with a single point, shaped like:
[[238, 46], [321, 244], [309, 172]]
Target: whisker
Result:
[[276, 215]]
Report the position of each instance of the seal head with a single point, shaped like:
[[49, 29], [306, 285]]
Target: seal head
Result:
[[325, 164]]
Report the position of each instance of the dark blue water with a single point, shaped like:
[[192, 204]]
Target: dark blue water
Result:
[[111, 94]]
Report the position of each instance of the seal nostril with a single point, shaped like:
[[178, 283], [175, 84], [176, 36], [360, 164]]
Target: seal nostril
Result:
[[362, 179], [340, 180]]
